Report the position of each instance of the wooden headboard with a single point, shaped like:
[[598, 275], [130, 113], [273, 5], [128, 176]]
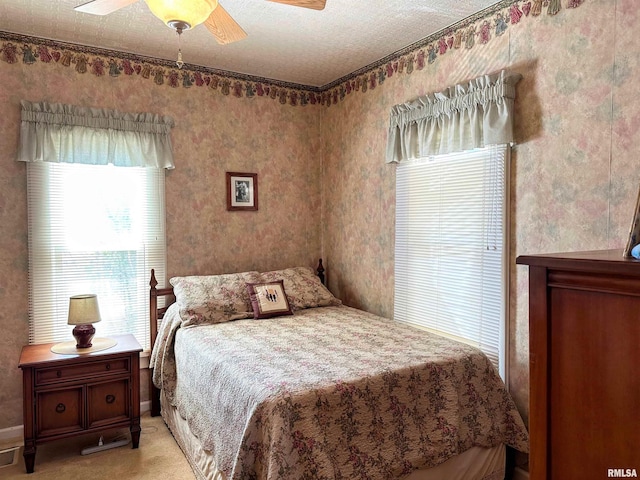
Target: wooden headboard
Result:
[[156, 314]]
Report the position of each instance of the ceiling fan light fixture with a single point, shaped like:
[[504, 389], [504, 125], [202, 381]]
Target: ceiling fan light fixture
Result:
[[182, 14], [178, 25]]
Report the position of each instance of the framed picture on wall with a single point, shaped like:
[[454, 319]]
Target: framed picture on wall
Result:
[[242, 191], [634, 232]]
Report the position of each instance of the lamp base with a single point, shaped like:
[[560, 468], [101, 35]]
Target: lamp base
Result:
[[83, 335]]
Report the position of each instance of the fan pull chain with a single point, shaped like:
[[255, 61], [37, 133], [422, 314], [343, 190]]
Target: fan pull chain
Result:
[[179, 62]]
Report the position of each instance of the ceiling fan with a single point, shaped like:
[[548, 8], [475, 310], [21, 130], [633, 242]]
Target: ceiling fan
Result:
[[185, 14]]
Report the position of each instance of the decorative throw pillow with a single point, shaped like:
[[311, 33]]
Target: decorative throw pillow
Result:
[[213, 298], [304, 288], [268, 299]]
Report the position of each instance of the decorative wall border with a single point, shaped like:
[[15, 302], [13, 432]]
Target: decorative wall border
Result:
[[478, 29]]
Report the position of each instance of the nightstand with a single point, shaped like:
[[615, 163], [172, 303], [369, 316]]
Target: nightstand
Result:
[[70, 395]]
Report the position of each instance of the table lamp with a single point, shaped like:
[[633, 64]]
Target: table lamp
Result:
[[83, 312]]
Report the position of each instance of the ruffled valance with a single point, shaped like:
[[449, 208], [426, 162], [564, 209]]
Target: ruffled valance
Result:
[[54, 132], [463, 117]]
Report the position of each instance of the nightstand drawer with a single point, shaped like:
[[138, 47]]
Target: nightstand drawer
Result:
[[59, 374], [59, 411], [108, 402]]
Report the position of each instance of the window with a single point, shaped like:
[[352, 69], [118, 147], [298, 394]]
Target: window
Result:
[[93, 229], [451, 269]]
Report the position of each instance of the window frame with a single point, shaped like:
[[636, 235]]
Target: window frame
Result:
[[49, 292], [406, 303]]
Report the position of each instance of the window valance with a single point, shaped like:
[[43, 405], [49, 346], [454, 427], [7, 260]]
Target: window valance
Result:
[[54, 132], [462, 117]]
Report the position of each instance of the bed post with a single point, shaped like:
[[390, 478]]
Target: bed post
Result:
[[320, 271], [154, 393]]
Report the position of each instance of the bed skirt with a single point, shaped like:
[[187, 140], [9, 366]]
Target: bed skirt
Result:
[[475, 464]]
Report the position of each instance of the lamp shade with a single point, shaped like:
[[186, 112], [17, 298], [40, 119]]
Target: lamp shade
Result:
[[191, 12], [83, 309]]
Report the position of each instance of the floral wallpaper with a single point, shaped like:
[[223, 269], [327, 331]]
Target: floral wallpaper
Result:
[[213, 134], [574, 170], [324, 187]]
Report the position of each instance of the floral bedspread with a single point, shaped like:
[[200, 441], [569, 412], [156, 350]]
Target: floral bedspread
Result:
[[331, 393]]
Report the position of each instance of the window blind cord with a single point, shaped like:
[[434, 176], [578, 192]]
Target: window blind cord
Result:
[[492, 199]]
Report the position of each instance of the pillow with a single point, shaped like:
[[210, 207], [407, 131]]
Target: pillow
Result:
[[213, 298], [304, 289], [268, 299]]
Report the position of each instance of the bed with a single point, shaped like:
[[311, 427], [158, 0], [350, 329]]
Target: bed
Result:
[[268, 376]]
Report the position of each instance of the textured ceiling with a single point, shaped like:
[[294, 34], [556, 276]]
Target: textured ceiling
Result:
[[290, 44]]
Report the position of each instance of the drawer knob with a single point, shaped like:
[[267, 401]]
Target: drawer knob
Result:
[[60, 408], [59, 373], [108, 366], [111, 398]]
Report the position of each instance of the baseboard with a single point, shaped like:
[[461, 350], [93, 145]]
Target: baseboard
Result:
[[520, 474], [13, 436]]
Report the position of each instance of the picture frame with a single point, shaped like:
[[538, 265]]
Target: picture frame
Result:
[[634, 231], [242, 191]]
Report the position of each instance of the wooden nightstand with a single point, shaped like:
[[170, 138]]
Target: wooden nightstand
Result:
[[69, 395]]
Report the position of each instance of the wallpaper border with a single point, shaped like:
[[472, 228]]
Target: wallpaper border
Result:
[[479, 29]]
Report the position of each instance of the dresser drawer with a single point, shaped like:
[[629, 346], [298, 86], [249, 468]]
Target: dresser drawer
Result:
[[46, 376], [108, 402], [60, 411]]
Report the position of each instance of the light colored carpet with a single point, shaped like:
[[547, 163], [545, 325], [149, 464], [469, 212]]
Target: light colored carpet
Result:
[[158, 457]]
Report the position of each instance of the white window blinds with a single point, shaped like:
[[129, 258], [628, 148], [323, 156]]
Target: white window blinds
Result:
[[93, 229], [451, 248]]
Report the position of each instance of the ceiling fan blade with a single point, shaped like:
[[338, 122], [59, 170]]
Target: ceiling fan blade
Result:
[[314, 4], [103, 7], [223, 27]]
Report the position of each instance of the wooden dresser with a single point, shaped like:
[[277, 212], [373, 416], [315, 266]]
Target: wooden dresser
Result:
[[69, 395], [584, 338]]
